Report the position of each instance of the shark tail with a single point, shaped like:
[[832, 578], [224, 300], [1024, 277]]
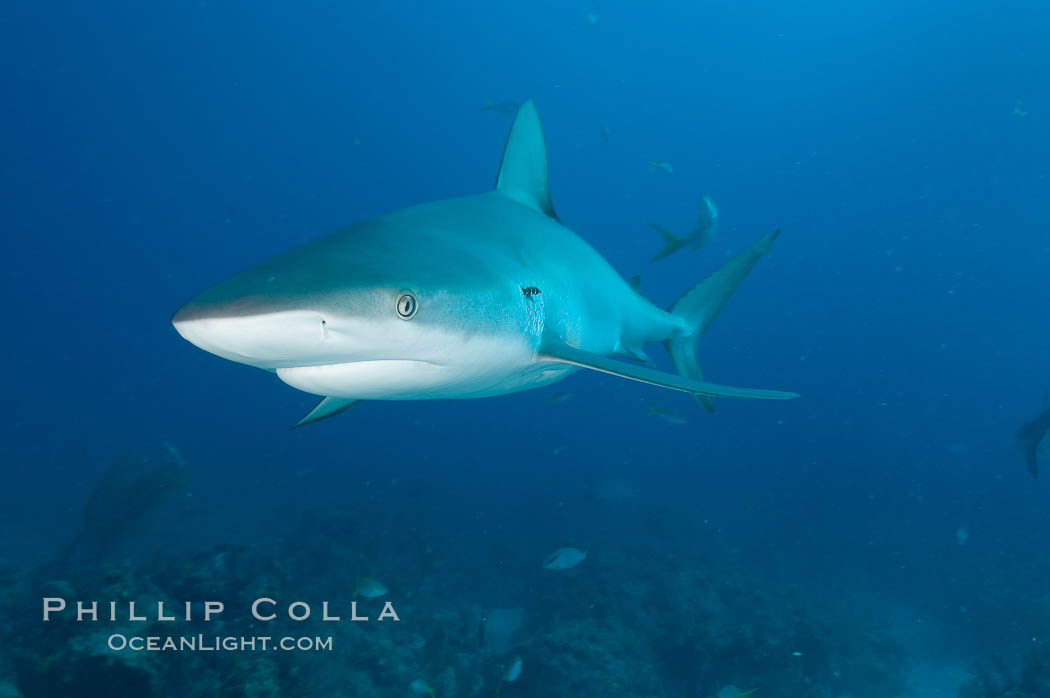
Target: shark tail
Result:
[[700, 306], [672, 243]]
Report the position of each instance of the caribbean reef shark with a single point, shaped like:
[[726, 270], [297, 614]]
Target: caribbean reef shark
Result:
[[460, 298], [703, 231]]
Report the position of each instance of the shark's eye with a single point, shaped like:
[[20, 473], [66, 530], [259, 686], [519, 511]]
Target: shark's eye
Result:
[[406, 305]]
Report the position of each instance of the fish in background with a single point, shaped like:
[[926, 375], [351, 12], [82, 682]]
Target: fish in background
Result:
[[702, 233], [422, 688], [505, 107], [668, 414], [594, 15], [512, 672], [734, 692], [499, 629], [126, 495], [1032, 434], [662, 167], [370, 588], [564, 559], [557, 398]]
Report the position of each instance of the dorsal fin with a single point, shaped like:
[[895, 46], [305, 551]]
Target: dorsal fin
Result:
[[523, 170]]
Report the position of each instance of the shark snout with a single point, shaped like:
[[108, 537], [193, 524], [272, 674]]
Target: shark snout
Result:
[[268, 340]]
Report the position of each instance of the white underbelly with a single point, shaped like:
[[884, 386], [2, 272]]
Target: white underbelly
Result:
[[480, 375]]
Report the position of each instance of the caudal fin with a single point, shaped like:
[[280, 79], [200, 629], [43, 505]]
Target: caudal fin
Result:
[[701, 305], [672, 243]]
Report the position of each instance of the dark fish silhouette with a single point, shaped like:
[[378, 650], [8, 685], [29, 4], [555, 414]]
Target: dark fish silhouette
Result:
[[1030, 436], [506, 107], [702, 233]]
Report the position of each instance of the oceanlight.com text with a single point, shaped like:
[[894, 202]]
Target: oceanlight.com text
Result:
[[216, 643]]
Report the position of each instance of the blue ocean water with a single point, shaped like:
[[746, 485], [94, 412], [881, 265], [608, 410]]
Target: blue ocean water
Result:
[[151, 150]]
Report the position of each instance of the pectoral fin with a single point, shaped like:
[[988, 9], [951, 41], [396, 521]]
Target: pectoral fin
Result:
[[556, 350], [328, 407]]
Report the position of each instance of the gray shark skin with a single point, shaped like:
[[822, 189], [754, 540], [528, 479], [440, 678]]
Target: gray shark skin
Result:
[[460, 298]]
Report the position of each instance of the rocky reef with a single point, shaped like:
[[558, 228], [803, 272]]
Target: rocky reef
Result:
[[995, 678], [629, 623], [638, 618]]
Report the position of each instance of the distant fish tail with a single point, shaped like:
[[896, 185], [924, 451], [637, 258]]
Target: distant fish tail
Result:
[[700, 306], [672, 243], [1030, 436]]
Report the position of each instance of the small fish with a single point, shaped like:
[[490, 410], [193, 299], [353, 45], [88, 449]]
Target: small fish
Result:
[[664, 167], [668, 414], [422, 688], [592, 17], [702, 233], [733, 692], [962, 535], [513, 671], [605, 133], [1019, 109], [511, 674], [369, 587], [417, 642], [506, 107], [557, 398], [564, 559]]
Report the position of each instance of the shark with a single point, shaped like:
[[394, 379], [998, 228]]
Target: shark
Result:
[[702, 233], [465, 297]]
